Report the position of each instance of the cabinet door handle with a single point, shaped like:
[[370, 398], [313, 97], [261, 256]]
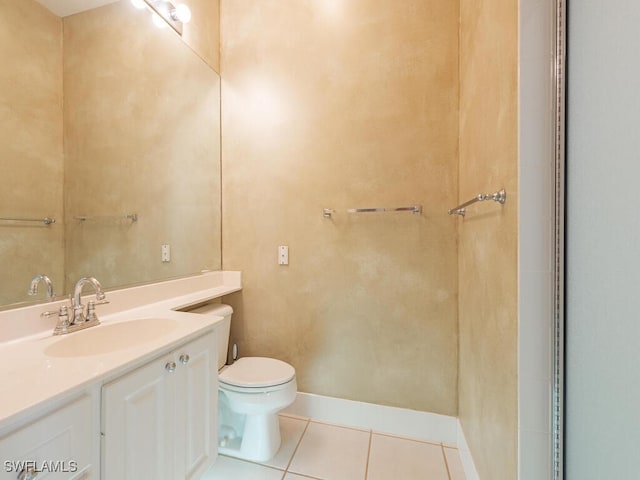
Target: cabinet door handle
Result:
[[28, 473], [170, 367], [184, 358]]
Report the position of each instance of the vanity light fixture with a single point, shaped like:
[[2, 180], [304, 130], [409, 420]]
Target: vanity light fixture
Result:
[[181, 13], [158, 21], [166, 13]]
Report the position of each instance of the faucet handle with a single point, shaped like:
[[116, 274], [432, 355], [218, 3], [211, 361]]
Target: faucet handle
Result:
[[61, 312], [63, 321], [91, 309]]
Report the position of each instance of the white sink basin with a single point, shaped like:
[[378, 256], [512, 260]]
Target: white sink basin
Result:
[[110, 337]]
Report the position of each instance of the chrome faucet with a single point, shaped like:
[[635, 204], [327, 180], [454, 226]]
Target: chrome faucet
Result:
[[78, 315], [33, 288], [74, 320]]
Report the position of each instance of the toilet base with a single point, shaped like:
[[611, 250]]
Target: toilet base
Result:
[[260, 439]]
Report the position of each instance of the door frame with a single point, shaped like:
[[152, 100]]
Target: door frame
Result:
[[558, 330]]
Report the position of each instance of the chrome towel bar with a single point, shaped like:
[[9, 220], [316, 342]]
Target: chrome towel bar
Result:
[[415, 209], [131, 216], [46, 220], [499, 196]]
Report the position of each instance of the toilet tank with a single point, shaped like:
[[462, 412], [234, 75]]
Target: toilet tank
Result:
[[222, 329]]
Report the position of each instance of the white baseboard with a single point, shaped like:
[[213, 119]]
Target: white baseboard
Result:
[[469, 467], [402, 422]]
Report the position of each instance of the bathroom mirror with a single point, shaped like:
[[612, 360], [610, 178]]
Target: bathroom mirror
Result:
[[110, 127]]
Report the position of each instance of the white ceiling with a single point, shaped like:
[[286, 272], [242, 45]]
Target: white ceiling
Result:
[[64, 8]]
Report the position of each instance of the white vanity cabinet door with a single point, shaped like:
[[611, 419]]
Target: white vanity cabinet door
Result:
[[59, 445], [159, 421], [196, 407], [137, 424]]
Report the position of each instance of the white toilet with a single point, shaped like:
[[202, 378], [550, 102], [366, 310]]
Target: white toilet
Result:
[[251, 392]]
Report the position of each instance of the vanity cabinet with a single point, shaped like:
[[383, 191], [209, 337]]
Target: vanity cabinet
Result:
[[61, 444], [159, 421]]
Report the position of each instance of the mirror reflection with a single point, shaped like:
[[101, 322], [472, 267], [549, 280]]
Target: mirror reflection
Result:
[[111, 127]]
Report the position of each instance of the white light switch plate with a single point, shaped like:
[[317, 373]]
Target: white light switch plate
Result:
[[166, 253], [283, 255]]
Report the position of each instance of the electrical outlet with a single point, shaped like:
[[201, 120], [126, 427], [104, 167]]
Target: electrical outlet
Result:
[[283, 255], [166, 253]]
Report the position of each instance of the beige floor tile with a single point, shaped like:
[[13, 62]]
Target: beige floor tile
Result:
[[293, 476], [332, 453], [227, 468], [291, 429], [455, 465], [293, 415], [398, 458]]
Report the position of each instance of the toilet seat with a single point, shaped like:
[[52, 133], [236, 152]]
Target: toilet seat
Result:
[[256, 373]]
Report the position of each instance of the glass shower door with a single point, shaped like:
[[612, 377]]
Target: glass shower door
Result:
[[602, 375]]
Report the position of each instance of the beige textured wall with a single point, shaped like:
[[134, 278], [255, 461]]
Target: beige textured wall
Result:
[[141, 126], [488, 256], [31, 139], [202, 33], [344, 104]]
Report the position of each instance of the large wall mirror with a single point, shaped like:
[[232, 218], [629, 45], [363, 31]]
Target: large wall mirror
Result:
[[110, 127]]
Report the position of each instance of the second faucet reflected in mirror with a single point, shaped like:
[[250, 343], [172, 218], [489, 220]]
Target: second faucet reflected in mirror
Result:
[[33, 287]]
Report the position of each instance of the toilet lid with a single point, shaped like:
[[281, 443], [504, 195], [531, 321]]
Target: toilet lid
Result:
[[257, 372]]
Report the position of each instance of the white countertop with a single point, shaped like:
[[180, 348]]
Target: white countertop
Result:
[[29, 378]]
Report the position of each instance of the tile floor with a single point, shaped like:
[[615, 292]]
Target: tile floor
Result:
[[315, 450]]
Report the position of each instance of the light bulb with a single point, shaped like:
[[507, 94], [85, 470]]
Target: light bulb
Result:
[[158, 21], [139, 4], [181, 13]]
